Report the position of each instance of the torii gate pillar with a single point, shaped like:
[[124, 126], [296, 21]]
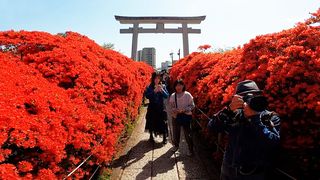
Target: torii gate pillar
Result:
[[185, 39], [134, 46], [160, 28]]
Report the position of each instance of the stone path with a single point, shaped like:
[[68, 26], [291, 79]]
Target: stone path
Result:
[[145, 160]]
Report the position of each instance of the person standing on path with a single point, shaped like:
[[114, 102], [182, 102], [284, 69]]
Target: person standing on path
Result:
[[181, 104], [156, 118], [253, 134]]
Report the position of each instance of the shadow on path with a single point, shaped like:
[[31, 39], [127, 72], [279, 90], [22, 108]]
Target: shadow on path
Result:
[[161, 165], [135, 154]]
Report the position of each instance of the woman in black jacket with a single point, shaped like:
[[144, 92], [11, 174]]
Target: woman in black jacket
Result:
[[156, 116]]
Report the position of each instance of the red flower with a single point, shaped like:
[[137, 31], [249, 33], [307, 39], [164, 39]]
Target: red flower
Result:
[[25, 166], [64, 95], [8, 172], [204, 47]]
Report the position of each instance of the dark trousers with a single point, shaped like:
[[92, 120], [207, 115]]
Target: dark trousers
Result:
[[187, 133]]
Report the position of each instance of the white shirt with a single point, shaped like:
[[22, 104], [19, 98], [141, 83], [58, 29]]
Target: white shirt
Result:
[[184, 102]]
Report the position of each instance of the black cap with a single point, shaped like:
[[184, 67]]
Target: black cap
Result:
[[247, 86]]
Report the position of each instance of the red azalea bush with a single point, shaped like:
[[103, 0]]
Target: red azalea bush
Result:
[[286, 65], [63, 98]]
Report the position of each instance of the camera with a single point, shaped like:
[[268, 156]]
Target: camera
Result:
[[256, 102], [247, 97]]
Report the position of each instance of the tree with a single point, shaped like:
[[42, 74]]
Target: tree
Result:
[[108, 46]]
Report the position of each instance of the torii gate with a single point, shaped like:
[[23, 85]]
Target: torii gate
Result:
[[160, 22]]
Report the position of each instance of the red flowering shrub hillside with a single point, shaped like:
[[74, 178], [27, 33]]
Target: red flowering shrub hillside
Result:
[[286, 65], [63, 98]]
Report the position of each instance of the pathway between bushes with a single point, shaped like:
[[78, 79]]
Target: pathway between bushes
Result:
[[142, 159]]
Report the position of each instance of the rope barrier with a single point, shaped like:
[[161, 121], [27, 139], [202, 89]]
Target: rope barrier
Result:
[[77, 167], [286, 174], [81, 164], [94, 172], [203, 114]]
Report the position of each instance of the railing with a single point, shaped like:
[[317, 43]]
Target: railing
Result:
[[221, 149]]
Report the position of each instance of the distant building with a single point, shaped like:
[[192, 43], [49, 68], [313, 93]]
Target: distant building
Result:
[[166, 65], [139, 55], [147, 55]]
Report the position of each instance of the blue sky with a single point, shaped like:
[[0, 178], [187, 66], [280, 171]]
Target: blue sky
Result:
[[229, 23]]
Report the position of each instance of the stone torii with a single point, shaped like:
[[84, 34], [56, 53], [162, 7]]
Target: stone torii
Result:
[[160, 22]]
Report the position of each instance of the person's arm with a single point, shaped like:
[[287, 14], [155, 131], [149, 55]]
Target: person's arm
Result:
[[220, 122], [270, 134], [191, 104], [149, 93], [172, 105], [164, 92]]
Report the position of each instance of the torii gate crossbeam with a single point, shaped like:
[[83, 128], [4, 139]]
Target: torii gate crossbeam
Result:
[[160, 22]]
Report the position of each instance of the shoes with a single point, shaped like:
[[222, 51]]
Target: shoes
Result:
[[151, 139]]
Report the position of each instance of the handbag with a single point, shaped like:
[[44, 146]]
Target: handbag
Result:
[[182, 118]]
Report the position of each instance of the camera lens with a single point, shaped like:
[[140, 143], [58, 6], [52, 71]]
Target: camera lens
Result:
[[247, 97], [258, 103]]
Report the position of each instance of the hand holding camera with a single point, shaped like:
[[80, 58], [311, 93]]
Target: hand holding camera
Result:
[[236, 103], [255, 102], [179, 111]]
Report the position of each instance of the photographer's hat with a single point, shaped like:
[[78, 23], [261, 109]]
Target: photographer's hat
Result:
[[247, 86]]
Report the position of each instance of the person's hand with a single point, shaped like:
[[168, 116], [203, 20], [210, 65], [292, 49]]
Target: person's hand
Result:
[[157, 89], [236, 103], [179, 111], [174, 111], [161, 88]]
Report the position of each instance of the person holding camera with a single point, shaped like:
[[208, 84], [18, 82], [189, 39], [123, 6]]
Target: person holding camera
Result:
[[253, 134], [181, 104], [156, 117]]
